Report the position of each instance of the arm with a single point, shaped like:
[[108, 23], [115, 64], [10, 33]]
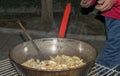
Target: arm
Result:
[[116, 2]]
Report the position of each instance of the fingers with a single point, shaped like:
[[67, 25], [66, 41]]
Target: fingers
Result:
[[102, 8], [100, 2], [104, 5], [85, 3]]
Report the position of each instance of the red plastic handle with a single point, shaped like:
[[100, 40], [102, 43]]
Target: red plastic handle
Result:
[[64, 21]]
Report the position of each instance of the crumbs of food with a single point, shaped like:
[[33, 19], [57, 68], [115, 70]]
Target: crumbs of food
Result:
[[55, 63]]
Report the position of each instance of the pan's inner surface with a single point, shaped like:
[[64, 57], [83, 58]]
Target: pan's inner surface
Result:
[[53, 47]]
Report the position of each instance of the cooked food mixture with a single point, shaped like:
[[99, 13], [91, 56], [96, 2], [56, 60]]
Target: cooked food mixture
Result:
[[55, 63]]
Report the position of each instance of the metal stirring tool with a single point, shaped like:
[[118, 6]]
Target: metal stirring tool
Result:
[[39, 52]]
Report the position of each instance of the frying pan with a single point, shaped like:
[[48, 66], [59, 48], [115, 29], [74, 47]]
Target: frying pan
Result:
[[53, 47]]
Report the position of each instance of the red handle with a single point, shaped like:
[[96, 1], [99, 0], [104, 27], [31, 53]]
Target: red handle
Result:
[[64, 21]]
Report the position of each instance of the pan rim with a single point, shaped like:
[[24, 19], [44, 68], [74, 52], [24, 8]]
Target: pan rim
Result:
[[32, 69]]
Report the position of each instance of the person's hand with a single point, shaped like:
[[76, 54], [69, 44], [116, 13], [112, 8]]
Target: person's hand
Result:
[[85, 3], [104, 5]]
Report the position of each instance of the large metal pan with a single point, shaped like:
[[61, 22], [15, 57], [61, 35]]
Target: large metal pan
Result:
[[53, 47]]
